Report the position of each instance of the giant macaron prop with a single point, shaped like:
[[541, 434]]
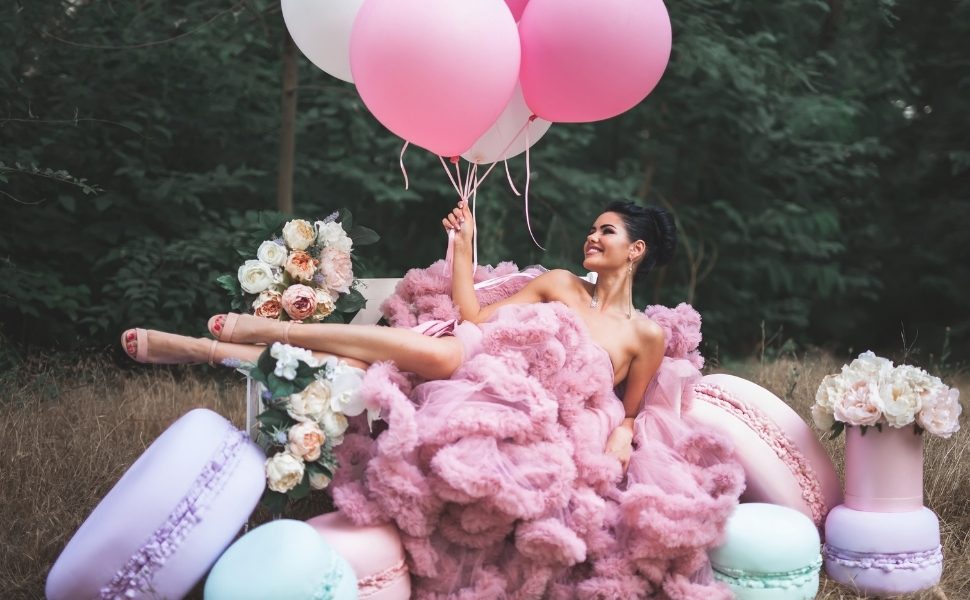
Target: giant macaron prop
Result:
[[168, 519], [783, 461]]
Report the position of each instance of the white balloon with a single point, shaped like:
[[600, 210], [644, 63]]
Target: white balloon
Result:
[[489, 147], [321, 30]]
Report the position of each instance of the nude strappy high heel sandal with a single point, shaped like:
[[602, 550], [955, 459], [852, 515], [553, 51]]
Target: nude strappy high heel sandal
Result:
[[140, 337]]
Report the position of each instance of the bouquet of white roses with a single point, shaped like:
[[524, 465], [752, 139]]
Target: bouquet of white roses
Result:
[[308, 402], [870, 391], [303, 272]]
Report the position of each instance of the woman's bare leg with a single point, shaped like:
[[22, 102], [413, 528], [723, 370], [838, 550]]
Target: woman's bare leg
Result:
[[431, 358], [170, 348]]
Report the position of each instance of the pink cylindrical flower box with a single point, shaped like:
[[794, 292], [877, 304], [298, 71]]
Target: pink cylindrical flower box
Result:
[[883, 469]]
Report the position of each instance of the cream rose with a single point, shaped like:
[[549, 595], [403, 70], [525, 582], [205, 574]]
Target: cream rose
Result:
[[300, 265], [941, 410], [318, 481], [284, 472], [325, 305], [268, 304], [272, 253], [867, 366], [299, 301], [255, 276], [332, 235], [824, 419], [298, 234], [305, 440], [860, 405], [337, 269], [901, 396], [830, 392], [311, 403], [334, 425]]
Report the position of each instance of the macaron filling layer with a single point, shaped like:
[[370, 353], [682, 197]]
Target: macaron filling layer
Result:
[[369, 586], [786, 580], [139, 571], [885, 561]]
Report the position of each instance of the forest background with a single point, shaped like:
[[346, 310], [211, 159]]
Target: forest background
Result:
[[815, 153]]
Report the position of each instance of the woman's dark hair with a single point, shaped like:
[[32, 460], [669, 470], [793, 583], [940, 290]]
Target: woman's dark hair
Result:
[[654, 226]]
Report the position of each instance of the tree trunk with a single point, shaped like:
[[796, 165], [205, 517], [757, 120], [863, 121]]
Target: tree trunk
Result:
[[284, 186]]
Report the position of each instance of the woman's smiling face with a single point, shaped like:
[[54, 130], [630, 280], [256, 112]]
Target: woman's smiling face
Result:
[[607, 245]]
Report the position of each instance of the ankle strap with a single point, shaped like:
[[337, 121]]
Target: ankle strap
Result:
[[212, 352], [286, 332]]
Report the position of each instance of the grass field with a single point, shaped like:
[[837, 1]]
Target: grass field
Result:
[[71, 430]]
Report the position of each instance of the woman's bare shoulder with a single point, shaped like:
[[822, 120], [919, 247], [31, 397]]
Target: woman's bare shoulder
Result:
[[559, 279], [649, 334]]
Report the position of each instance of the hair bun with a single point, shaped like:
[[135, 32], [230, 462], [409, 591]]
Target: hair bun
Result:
[[666, 235], [652, 224]]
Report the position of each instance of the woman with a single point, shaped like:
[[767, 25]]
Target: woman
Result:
[[624, 244], [493, 467]]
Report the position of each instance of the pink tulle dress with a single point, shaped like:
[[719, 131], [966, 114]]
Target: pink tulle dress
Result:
[[497, 477]]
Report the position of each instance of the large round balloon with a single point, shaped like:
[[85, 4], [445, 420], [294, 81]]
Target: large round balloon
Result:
[[489, 148], [438, 73], [588, 60], [321, 30]]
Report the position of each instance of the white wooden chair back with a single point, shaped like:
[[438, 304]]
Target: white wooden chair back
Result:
[[375, 291]]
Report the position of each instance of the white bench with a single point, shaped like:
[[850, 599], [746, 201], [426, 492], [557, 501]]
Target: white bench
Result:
[[375, 291]]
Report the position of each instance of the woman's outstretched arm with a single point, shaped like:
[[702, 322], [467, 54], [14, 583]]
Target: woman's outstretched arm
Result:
[[541, 289]]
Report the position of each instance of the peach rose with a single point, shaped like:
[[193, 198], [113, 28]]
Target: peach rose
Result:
[[300, 265], [268, 304], [860, 405], [305, 440], [940, 414], [299, 234], [299, 301], [337, 269]]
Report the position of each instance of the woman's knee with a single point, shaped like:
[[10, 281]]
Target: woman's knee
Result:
[[441, 359]]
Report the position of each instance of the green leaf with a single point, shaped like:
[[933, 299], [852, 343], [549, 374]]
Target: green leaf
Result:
[[334, 317], [346, 220], [231, 284], [837, 429], [362, 236], [864, 429], [302, 489], [266, 363], [351, 301], [879, 427], [275, 501], [317, 468], [275, 418]]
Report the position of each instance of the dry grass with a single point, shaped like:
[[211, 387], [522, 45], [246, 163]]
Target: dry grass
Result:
[[70, 432]]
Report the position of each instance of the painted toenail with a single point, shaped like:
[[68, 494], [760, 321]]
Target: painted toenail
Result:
[[217, 327], [131, 336]]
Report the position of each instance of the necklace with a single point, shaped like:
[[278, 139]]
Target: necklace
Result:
[[594, 302]]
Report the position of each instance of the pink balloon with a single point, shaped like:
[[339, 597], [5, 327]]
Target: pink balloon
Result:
[[586, 60], [517, 6], [438, 73]]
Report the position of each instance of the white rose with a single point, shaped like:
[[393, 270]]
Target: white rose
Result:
[[325, 305], [318, 480], [861, 404], [332, 235], [941, 410], [284, 472], [311, 403], [305, 440], [901, 396], [255, 276], [272, 253], [298, 234], [334, 425], [869, 367], [823, 417], [830, 392], [346, 396]]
